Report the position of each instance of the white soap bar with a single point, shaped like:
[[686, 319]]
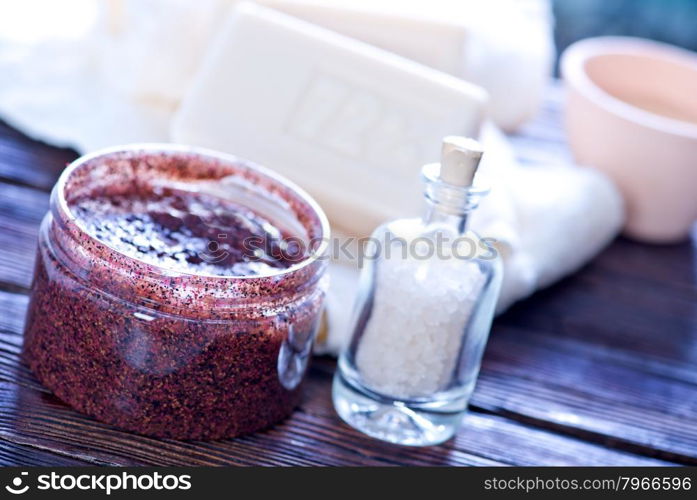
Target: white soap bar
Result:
[[503, 45], [350, 123], [426, 32]]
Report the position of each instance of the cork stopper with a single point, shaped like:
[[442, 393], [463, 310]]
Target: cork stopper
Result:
[[460, 158]]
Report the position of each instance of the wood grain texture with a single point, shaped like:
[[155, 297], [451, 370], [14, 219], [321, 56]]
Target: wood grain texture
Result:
[[31, 417], [28, 162], [21, 211], [600, 369], [12, 454]]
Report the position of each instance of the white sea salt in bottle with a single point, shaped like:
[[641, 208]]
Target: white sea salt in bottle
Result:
[[424, 309]]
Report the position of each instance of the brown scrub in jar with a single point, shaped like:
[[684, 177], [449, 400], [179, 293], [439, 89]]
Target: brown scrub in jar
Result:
[[176, 292]]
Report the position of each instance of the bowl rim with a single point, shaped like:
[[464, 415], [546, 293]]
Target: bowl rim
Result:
[[573, 70]]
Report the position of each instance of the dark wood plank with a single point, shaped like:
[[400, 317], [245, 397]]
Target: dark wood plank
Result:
[[12, 454], [21, 211], [509, 441], [588, 393], [639, 299], [608, 359], [28, 162], [314, 435]]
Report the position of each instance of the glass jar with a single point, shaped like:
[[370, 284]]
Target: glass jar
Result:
[[163, 351]]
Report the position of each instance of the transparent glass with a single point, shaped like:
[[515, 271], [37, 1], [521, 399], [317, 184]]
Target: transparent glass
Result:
[[426, 301], [158, 350]]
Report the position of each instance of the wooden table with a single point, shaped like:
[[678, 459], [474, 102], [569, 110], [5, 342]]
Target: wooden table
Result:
[[599, 369]]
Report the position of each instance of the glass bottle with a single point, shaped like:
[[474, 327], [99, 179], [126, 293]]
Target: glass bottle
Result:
[[426, 300]]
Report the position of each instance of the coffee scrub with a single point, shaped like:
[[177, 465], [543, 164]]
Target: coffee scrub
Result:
[[176, 292]]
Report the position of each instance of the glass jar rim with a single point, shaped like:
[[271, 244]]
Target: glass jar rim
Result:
[[59, 200], [103, 268]]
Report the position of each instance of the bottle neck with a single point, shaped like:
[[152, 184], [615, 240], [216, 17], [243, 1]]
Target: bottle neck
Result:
[[448, 206], [436, 216]]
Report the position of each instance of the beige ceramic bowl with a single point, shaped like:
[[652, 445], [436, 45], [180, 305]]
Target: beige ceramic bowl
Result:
[[632, 113]]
